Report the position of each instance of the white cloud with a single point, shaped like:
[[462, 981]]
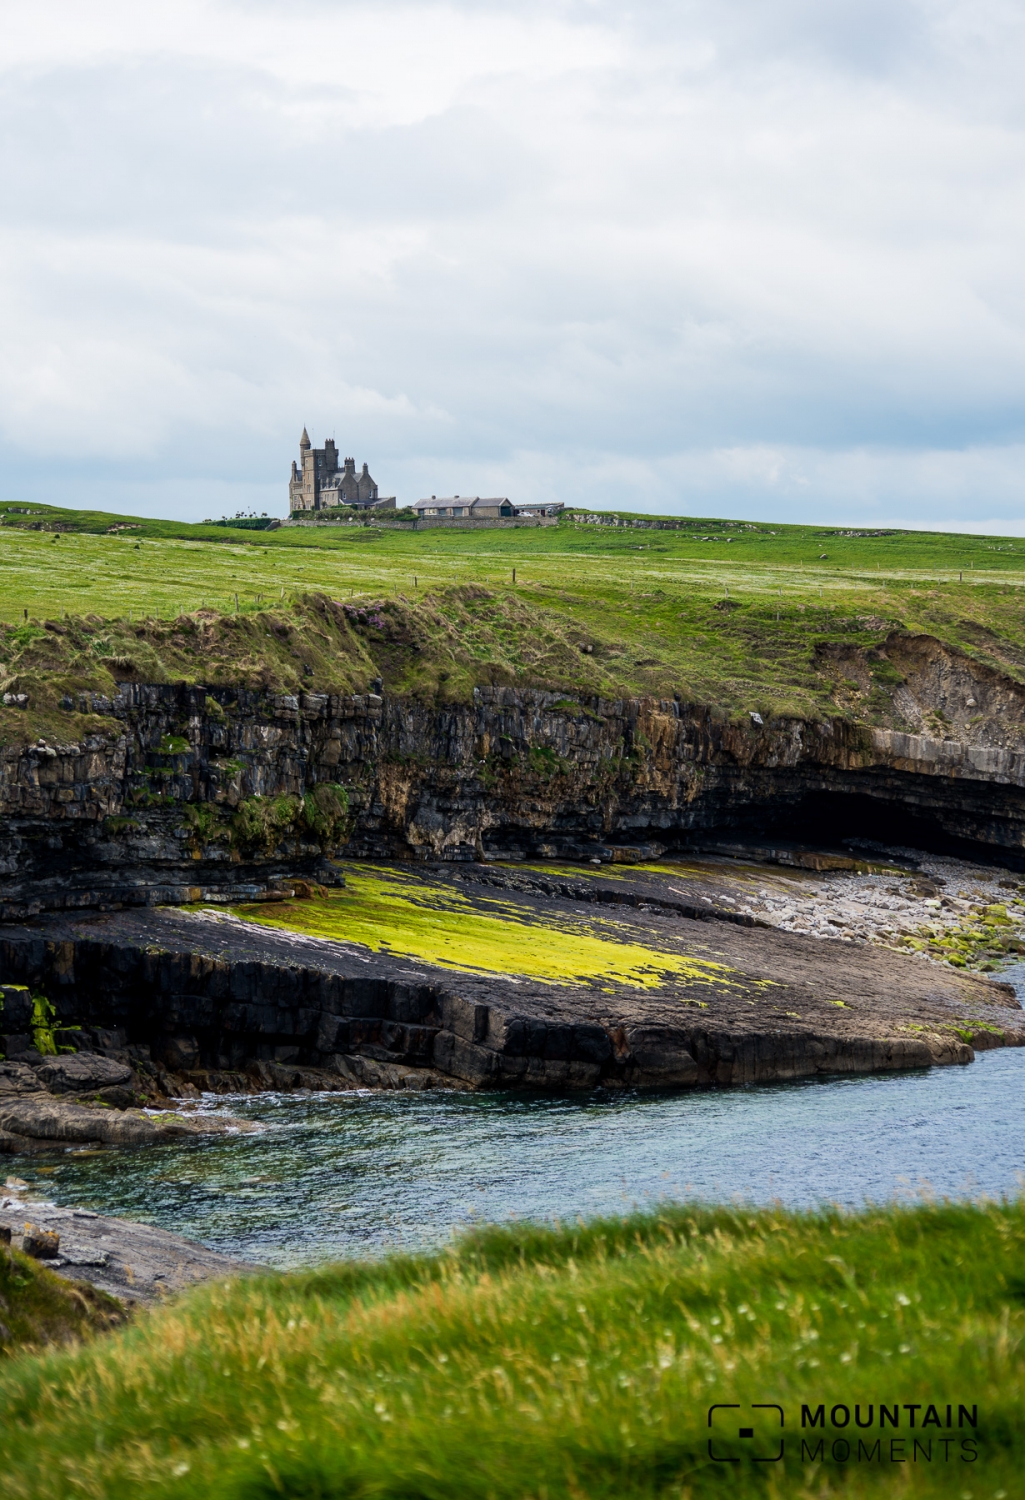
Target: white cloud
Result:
[[768, 256]]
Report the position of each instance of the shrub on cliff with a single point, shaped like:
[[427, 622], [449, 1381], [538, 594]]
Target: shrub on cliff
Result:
[[261, 823], [325, 813]]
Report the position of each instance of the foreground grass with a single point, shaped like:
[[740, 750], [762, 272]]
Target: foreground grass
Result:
[[546, 1363]]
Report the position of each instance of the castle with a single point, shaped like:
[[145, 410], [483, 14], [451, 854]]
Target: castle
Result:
[[317, 483]]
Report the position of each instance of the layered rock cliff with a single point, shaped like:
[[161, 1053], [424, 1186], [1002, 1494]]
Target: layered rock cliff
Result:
[[195, 793]]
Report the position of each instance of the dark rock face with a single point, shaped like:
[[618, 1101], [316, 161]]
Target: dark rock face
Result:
[[263, 1009], [144, 813], [81, 1071]]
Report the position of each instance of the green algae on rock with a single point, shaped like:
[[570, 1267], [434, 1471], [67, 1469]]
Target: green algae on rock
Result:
[[392, 911]]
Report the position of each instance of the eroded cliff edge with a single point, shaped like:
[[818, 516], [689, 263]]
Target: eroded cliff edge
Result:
[[181, 793]]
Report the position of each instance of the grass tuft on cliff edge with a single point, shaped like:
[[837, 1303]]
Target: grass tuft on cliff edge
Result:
[[38, 1308], [560, 1362]]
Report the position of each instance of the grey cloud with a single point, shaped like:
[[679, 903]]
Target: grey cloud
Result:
[[199, 149], [742, 239]]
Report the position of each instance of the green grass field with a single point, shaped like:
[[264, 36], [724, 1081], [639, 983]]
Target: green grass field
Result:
[[523, 1362], [163, 567], [592, 608], [536, 1364]]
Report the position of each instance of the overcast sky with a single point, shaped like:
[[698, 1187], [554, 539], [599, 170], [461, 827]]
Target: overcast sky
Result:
[[755, 258]]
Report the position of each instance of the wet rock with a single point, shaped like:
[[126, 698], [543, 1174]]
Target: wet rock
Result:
[[20, 1145], [41, 1117], [75, 1073], [365, 1072], [117, 1097]]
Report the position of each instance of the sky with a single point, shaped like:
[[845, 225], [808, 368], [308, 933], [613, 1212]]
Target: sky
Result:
[[751, 258]]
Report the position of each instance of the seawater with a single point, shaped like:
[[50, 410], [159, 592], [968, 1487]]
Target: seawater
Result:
[[339, 1175]]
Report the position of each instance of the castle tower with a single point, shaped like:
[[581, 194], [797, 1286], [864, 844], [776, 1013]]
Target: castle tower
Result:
[[303, 487], [319, 482]]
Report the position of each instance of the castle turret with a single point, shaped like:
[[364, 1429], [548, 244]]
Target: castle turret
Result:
[[302, 485]]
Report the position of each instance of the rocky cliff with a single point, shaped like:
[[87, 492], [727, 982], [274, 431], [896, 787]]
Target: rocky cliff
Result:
[[223, 794], [189, 1001]]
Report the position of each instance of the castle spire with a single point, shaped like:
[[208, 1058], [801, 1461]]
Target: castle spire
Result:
[[304, 441]]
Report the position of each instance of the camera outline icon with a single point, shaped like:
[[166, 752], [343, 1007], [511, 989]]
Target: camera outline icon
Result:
[[743, 1433]]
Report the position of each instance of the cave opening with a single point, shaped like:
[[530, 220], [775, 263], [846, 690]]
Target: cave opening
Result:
[[849, 821]]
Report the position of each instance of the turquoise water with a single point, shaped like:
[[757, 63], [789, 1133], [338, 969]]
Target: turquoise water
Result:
[[356, 1174]]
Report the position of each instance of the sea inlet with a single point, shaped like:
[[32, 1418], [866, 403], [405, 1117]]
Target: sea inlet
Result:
[[342, 1175]]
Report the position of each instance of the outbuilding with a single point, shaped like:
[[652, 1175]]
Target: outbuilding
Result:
[[455, 508]]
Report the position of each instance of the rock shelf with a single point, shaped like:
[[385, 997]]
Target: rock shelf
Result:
[[131, 1261], [721, 993], [40, 1112]]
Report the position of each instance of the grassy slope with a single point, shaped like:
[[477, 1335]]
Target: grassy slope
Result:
[[645, 601], [548, 1363], [39, 1308]]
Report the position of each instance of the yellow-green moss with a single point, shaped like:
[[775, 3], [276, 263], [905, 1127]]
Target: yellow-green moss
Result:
[[391, 911]]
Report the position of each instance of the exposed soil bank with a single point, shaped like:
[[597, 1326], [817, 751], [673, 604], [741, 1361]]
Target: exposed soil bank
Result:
[[224, 1004]]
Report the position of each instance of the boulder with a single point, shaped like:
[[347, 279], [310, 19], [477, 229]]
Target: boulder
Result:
[[78, 1072], [19, 1145], [42, 1244], [17, 1078]]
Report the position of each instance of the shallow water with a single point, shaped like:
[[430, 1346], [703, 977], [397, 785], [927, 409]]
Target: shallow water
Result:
[[355, 1174]]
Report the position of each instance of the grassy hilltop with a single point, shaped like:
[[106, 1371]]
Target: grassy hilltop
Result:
[[559, 1364], [733, 613], [523, 1362]]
